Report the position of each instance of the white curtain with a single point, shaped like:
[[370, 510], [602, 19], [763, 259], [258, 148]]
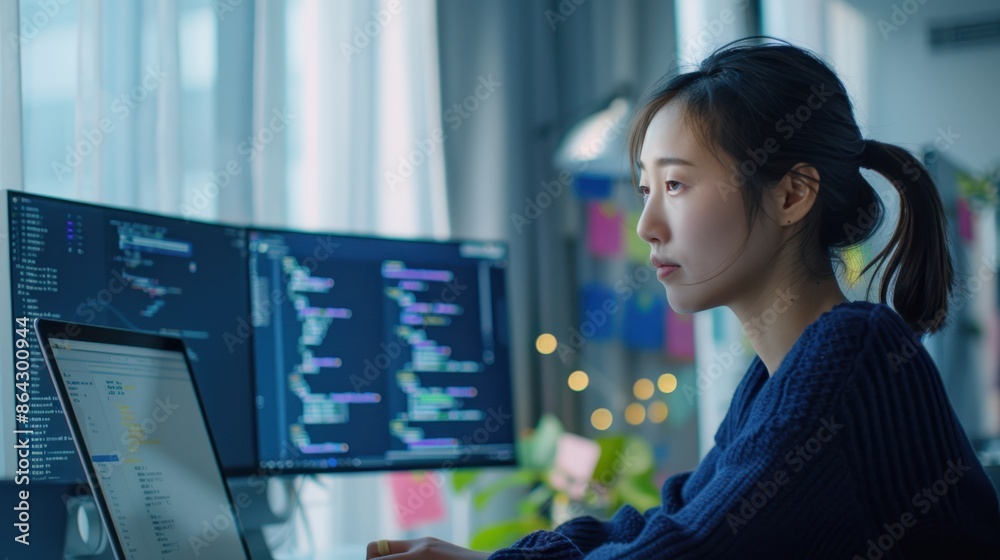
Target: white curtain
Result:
[[362, 80], [10, 98], [312, 114], [322, 114]]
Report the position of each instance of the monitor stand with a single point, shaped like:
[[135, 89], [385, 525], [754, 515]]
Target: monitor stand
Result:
[[258, 501], [261, 501], [86, 538]]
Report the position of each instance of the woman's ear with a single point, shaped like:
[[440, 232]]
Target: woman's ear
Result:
[[795, 194]]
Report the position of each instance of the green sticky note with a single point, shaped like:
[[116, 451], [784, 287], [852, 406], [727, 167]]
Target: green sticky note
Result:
[[638, 250]]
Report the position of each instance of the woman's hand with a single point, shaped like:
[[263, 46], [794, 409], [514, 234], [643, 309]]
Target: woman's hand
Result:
[[427, 548]]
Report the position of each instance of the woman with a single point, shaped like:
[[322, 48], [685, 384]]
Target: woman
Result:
[[840, 441]]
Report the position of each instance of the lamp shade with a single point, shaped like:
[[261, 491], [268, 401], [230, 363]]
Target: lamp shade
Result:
[[596, 144]]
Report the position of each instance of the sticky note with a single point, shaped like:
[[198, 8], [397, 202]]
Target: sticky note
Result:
[[964, 218], [597, 315], [680, 335], [854, 261], [604, 231], [576, 459], [637, 249], [416, 498], [643, 324], [591, 187]]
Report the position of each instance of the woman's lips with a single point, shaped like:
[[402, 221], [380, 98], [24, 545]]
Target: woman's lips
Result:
[[664, 270]]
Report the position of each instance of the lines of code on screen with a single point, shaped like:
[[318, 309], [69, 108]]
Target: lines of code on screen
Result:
[[375, 353]]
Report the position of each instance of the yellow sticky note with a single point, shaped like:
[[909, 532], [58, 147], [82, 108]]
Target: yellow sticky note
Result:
[[854, 259]]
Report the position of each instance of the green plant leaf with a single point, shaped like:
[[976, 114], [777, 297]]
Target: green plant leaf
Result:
[[462, 478], [504, 534], [611, 448], [637, 493], [534, 500], [525, 450], [636, 458], [516, 478], [540, 452], [979, 189]]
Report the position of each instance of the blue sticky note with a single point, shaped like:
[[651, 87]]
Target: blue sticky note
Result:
[[597, 315], [643, 325], [591, 186]]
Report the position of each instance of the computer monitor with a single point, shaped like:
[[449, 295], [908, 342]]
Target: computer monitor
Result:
[[379, 354], [118, 268]]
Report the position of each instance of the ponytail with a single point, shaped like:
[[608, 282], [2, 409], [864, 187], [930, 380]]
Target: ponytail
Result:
[[921, 261]]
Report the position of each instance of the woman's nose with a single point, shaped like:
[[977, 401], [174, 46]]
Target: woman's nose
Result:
[[652, 228]]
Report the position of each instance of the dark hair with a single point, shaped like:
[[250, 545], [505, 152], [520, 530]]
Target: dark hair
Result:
[[768, 105]]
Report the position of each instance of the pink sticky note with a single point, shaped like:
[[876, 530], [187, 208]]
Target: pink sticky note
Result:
[[576, 459], [416, 498], [604, 229], [680, 335], [964, 219]]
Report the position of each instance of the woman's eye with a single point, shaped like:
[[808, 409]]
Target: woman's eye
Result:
[[673, 183], [644, 190]]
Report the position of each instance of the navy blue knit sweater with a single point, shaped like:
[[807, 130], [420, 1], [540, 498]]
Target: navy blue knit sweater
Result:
[[850, 450]]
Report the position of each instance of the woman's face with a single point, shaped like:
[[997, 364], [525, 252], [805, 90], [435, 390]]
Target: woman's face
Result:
[[694, 216]]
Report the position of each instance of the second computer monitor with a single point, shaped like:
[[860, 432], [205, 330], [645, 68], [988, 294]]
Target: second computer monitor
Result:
[[378, 353]]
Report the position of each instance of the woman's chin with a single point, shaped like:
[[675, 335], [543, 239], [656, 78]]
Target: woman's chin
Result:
[[686, 303], [680, 305]]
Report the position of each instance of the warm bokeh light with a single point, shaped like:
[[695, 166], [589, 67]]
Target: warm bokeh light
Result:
[[601, 419], [578, 380], [667, 382], [635, 413], [657, 412], [643, 389], [546, 343]]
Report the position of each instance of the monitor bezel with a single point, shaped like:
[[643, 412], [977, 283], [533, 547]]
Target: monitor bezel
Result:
[[8, 459]]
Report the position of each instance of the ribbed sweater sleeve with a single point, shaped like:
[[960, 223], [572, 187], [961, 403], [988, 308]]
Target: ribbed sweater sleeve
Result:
[[822, 462]]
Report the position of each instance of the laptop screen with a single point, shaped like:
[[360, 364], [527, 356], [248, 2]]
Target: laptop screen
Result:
[[149, 450]]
